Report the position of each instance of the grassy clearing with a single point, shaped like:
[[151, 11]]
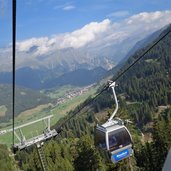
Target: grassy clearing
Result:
[[60, 92], [31, 112]]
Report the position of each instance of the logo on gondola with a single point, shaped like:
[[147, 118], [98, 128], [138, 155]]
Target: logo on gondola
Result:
[[121, 155]]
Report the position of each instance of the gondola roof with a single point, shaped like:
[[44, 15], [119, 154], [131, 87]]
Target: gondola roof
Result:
[[110, 126]]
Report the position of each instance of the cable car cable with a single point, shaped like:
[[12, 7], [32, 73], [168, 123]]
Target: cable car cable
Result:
[[59, 129], [13, 64]]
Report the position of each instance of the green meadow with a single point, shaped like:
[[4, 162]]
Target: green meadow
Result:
[[30, 115]]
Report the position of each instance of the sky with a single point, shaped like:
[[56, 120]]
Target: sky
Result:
[[41, 18]]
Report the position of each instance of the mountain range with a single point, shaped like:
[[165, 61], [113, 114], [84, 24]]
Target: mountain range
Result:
[[75, 66], [24, 99], [45, 79]]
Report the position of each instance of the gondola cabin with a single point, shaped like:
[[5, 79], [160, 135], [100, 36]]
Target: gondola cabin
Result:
[[114, 138]]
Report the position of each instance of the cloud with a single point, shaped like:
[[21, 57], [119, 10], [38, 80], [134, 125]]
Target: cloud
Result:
[[147, 22], [85, 35], [118, 14], [24, 46], [75, 39], [68, 7]]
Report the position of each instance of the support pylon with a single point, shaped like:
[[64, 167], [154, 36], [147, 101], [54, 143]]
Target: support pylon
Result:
[[42, 157]]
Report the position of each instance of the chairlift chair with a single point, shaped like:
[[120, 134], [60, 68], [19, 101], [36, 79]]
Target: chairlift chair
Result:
[[113, 137]]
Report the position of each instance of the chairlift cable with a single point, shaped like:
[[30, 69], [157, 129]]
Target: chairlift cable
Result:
[[13, 64]]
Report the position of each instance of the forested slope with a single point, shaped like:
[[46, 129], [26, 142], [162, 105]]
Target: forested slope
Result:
[[6, 163], [148, 83], [25, 99]]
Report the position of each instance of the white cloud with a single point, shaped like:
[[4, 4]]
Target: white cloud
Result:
[[69, 7], [76, 39], [85, 35], [27, 44], [118, 14], [144, 17], [147, 22], [66, 6]]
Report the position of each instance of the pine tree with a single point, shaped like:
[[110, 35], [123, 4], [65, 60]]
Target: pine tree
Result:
[[88, 158]]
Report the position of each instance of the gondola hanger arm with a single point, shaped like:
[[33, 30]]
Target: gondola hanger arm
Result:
[[113, 85]]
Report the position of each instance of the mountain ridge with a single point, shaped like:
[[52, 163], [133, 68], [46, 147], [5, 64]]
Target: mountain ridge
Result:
[[45, 79], [25, 99]]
